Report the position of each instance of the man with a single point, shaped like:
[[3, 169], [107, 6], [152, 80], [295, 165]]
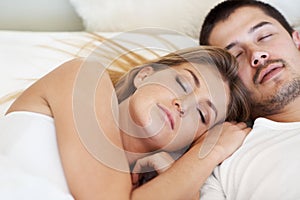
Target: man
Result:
[[268, 51]]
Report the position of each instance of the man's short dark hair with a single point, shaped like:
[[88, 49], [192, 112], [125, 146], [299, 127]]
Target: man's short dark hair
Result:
[[224, 9]]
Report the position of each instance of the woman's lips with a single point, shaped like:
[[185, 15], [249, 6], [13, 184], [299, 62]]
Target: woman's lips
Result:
[[168, 115]]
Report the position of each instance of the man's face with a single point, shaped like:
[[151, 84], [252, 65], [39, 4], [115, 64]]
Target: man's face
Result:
[[269, 58]]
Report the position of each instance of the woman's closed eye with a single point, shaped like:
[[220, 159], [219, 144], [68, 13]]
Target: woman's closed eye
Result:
[[202, 116], [183, 83]]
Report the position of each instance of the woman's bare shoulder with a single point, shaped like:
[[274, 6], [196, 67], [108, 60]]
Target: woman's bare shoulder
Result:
[[45, 94]]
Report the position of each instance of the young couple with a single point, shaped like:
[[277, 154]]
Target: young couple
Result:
[[169, 104]]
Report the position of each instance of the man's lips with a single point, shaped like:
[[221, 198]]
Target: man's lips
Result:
[[168, 115], [270, 71]]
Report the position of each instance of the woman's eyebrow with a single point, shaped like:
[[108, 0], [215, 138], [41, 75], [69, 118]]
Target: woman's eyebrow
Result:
[[195, 78]]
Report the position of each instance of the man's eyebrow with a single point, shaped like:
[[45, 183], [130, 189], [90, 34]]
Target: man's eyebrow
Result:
[[257, 26], [252, 29], [196, 80]]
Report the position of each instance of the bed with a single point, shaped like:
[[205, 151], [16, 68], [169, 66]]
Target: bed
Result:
[[38, 36]]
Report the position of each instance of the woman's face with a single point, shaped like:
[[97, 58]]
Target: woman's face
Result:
[[173, 107]]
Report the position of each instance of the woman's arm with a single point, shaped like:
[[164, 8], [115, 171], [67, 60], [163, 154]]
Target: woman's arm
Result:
[[73, 96], [184, 179]]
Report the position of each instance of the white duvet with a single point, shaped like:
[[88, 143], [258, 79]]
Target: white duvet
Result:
[[17, 184]]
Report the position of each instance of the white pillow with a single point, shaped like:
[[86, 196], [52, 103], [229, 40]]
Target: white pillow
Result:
[[289, 9], [184, 16]]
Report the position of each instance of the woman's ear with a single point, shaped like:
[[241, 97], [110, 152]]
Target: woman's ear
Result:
[[142, 74], [296, 38]]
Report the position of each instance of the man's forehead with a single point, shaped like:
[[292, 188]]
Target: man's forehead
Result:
[[240, 21]]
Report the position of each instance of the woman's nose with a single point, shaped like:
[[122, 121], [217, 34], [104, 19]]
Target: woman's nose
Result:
[[178, 103], [183, 104], [259, 58]]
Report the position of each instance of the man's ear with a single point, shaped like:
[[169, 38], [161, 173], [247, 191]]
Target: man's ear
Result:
[[296, 38], [142, 74]]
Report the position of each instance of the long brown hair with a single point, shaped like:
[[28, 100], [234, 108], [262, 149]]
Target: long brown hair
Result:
[[238, 108]]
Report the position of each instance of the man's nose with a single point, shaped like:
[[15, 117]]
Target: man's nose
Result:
[[259, 58]]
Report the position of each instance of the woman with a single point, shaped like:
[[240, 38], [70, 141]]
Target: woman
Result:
[[164, 105]]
